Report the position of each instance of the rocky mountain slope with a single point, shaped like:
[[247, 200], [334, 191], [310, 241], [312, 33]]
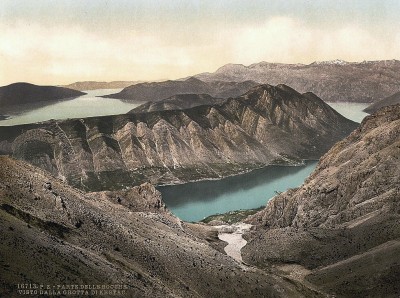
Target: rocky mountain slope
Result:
[[331, 80], [160, 90], [271, 124], [54, 235], [340, 229], [92, 85], [388, 101], [25, 93], [177, 102]]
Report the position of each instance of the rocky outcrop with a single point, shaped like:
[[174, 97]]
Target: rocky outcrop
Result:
[[342, 223], [177, 102], [271, 124], [54, 235], [156, 91], [388, 101], [93, 85], [368, 81], [24, 93]]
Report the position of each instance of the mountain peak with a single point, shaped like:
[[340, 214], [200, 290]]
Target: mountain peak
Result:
[[231, 67], [331, 62], [193, 79]]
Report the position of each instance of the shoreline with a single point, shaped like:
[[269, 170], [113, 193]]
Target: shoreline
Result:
[[303, 163]]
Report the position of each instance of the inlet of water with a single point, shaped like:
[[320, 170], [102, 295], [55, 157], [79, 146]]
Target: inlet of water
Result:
[[197, 200]]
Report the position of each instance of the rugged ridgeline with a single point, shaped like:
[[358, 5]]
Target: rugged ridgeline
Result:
[[388, 101], [177, 102], [331, 80], [159, 90], [92, 85], [342, 224], [266, 125], [53, 234], [24, 93]]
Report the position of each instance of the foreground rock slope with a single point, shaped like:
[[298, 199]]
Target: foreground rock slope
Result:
[[341, 227], [271, 124], [52, 234]]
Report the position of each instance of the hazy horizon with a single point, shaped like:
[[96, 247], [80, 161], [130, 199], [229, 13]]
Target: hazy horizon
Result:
[[54, 44]]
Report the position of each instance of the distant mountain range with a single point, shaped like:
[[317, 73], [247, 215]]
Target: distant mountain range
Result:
[[25, 93], [388, 101], [332, 81], [92, 85], [267, 125], [160, 90]]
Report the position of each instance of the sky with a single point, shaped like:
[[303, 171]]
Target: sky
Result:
[[52, 42]]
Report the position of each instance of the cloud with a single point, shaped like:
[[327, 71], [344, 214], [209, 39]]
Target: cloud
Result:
[[284, 39], [63, 54], [30, 52]]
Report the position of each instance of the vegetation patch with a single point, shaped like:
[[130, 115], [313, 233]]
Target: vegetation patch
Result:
[[232, 217]]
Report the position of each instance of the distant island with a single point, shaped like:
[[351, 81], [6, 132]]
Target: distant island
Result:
[[25, 93], [93, 85]]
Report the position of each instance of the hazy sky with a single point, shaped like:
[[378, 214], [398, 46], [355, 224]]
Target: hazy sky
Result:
[[58, 42]]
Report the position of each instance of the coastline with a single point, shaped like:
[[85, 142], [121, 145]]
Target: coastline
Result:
[[302, 163]]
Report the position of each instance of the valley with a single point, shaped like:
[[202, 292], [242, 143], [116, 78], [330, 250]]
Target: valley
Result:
[[292, 250], [114, 190]]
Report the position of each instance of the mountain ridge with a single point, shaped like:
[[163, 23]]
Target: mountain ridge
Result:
[[154, 91], [272, 124], [177, 102], [366, 81]]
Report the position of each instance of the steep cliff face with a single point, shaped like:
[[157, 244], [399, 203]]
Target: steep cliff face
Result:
[[160, 90], [266, 125], [53, 234], [336, 80], [343, 221]]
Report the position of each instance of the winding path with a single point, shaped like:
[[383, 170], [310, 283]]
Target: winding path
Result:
[[232, 234]]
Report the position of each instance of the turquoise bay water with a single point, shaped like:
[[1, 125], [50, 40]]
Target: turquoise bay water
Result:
[[197, 200], [84, 106]]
